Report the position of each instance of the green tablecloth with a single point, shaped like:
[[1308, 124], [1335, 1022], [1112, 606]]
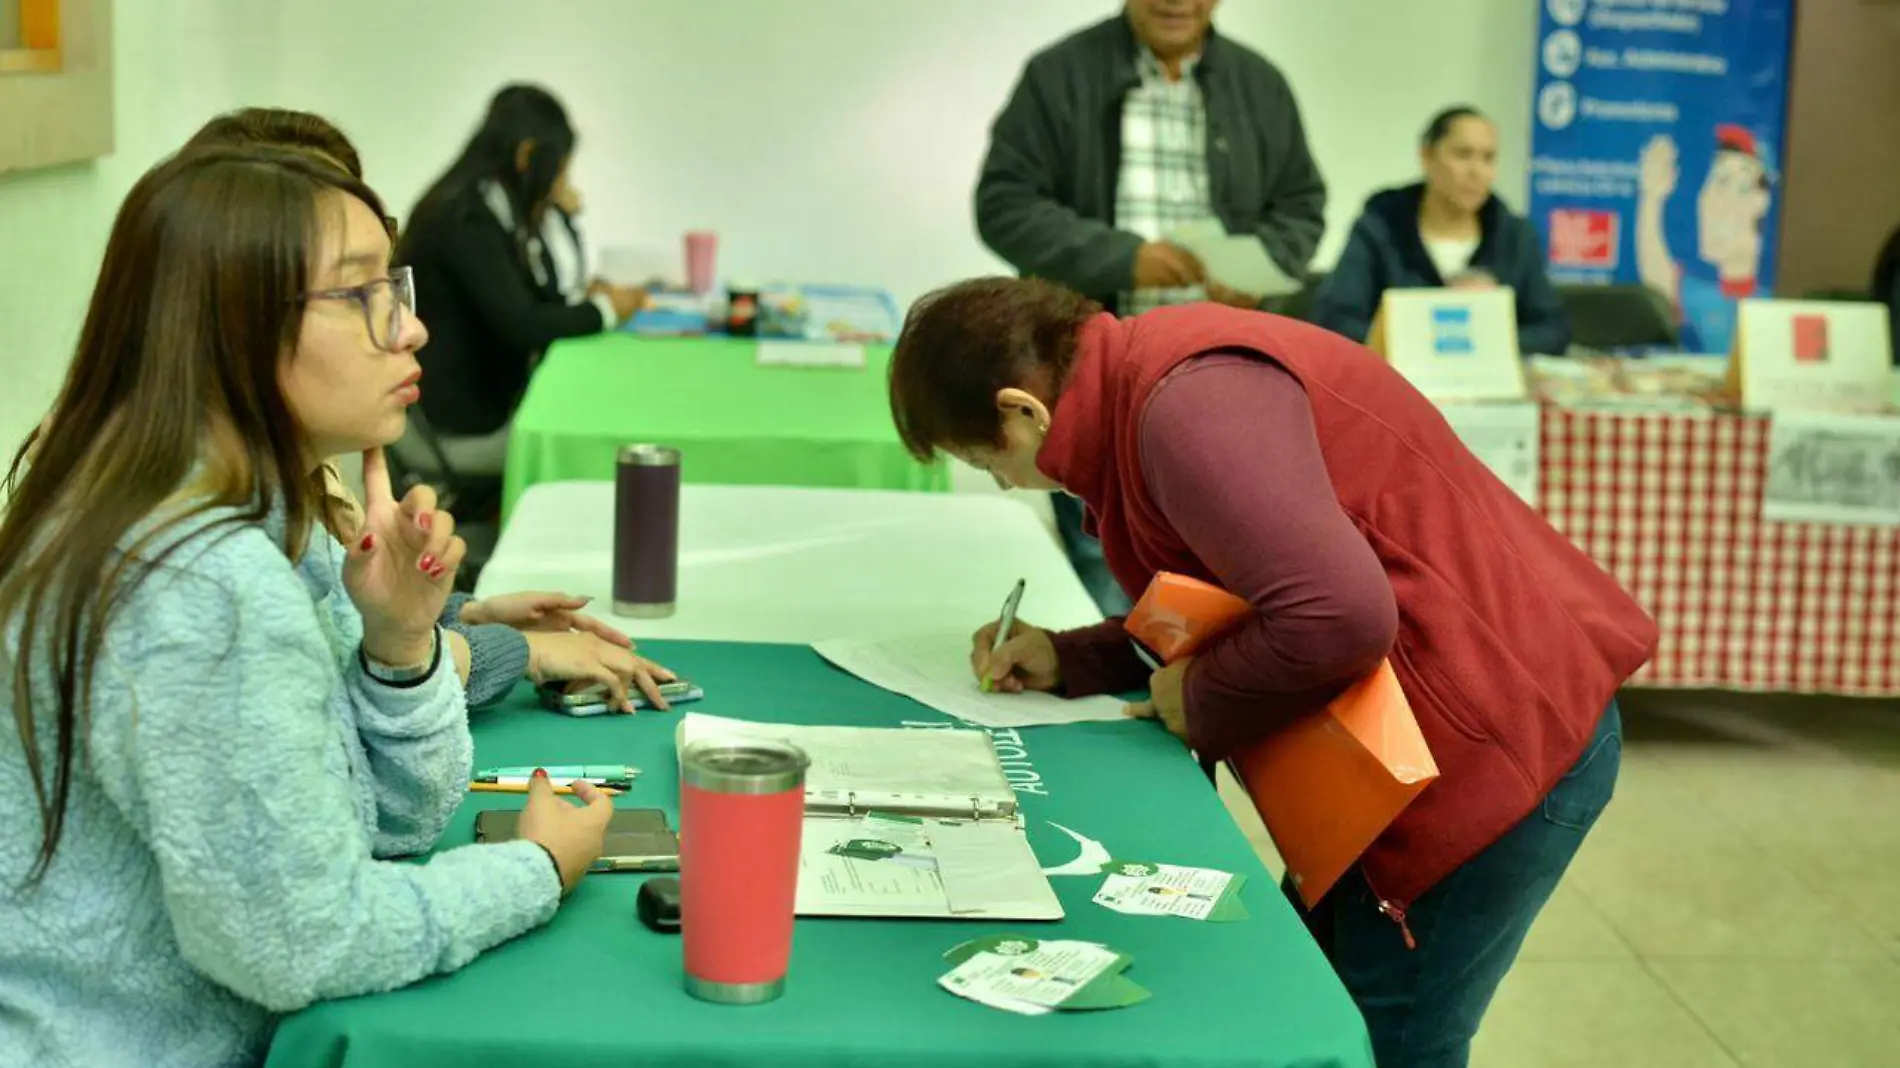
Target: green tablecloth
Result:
[[734, 421], [594, 987]]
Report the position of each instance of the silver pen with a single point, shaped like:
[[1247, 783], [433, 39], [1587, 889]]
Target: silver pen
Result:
[[1004, 624]]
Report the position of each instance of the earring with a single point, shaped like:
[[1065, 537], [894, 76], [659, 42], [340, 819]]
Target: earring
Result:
[[1042, 429]]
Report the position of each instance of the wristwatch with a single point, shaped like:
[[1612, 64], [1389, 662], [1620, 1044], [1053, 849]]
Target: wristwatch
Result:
[[400, 675]]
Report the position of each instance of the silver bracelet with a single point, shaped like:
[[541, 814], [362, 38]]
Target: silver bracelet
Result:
[[403, 674]]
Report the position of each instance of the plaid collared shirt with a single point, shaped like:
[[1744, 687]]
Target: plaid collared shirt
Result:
[[1163, 179]]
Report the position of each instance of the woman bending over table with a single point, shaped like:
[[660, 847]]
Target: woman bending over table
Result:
[[1299, 471], [223, 721]]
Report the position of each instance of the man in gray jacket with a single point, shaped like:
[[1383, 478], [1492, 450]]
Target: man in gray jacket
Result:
[[1121, 133]]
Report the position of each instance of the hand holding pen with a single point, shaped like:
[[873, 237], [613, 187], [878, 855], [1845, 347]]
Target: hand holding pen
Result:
[[1010, 656]]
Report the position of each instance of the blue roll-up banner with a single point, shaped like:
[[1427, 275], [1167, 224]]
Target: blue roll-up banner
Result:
[[1656, 149]]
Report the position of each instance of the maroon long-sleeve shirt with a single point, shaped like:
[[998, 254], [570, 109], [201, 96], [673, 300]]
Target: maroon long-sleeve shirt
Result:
[[1230, 457]]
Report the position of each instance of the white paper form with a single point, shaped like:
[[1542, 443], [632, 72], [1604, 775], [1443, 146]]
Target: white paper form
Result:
[[1237, 261], [935, 670]]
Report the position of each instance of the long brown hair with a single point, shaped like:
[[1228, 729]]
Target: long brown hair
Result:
[[318, 136], [175, 377], [280, 128]]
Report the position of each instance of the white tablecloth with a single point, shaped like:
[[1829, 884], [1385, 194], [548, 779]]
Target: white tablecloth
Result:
[[778, 564]]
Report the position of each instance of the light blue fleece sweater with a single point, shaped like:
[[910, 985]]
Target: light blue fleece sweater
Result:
[[238, 781], [497, 654]]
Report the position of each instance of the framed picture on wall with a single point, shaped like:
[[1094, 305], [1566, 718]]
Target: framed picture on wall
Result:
[[55, 82]]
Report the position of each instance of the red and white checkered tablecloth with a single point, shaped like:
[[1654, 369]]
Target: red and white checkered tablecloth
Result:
[[1671, 505]]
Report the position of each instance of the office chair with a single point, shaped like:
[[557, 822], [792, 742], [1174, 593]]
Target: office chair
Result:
[[1620, 316], [474, 500]]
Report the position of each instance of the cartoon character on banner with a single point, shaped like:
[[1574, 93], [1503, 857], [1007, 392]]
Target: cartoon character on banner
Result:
[[1731, 210]]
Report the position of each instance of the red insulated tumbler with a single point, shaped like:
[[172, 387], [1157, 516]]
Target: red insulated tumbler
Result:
[[742, 812]]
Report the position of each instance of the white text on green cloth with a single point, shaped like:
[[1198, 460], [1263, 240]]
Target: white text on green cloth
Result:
[[1011, 751]]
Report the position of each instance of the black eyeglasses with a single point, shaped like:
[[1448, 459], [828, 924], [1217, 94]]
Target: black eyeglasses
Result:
[[385, 303]]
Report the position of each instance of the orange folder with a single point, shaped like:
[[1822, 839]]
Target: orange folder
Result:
[[1328, 784]]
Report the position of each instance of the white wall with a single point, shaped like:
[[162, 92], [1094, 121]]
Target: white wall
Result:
[[826, 140], [175, 64], [838, 140]]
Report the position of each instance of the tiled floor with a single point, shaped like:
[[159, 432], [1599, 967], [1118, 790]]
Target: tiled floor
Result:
[[1738, 905]]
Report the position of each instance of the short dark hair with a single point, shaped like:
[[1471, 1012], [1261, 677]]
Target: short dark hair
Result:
[[1440, 127], [964, 342], [280, 128]]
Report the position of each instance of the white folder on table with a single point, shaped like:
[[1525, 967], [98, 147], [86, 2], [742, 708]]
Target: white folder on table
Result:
[[949, 781]]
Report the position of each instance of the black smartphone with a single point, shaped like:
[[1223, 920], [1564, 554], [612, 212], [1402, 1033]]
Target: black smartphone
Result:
[[638, 839]]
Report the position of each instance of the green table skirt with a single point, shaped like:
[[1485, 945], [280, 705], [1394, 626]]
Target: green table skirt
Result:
[[735, 422], [594, 987]]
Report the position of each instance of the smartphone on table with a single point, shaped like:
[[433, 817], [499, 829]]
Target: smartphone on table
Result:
[[638, 839], [583, 698]]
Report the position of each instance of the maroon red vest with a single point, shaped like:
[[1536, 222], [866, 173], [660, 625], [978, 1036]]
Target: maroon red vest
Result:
[[1511, 641]]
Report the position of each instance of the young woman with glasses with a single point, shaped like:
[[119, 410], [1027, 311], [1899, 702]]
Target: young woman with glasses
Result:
[[540, 634], [223, 720]]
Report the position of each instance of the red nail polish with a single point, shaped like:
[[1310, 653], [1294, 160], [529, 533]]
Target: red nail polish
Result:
[[427, 563], [540, 773], [425, 520], [369, 542], [439, 571]]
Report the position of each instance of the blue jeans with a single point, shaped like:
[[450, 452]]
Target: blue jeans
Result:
[[1422, 1006], [1085, 555]]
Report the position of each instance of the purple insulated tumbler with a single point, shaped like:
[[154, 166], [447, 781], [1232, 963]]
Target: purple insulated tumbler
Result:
[[646, 531]]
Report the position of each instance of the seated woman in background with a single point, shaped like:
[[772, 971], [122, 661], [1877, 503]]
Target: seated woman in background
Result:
[[1450, 229], [222, 719], [540, 635], [496, 300]]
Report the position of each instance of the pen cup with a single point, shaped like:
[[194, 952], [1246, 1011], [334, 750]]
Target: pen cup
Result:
[[742, 811], [646, 531]]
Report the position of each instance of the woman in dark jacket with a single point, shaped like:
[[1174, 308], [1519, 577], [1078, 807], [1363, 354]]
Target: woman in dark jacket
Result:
[[1450, 229], [1302, 473], [476, 244]]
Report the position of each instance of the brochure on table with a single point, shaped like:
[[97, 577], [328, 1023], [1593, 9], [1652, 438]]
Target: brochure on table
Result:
[[1825, 467], [833, 322], [1454, 345], [1812, 355], [1823, 372]]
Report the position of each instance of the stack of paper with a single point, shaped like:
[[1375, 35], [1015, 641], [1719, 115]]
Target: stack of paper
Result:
[[839, 354], [1237, 261]]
